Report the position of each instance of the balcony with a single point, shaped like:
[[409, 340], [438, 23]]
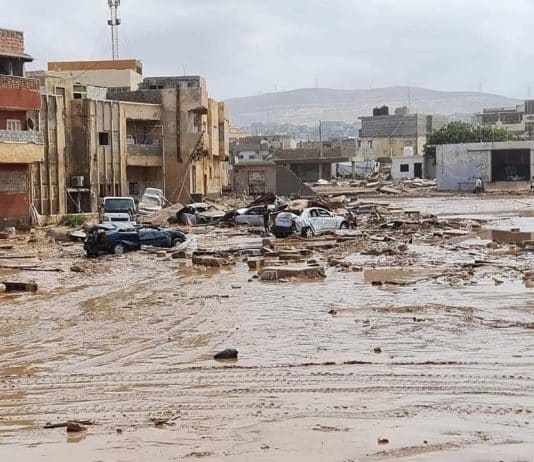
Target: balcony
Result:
[[21, 147], [145, 155]]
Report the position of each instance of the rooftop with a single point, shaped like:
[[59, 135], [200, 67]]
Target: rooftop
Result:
[[105, 65]]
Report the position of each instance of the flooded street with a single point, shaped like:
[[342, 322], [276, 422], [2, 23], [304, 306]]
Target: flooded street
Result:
[[426, 354]]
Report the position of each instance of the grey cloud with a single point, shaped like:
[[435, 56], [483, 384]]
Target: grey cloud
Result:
[[244, 47]]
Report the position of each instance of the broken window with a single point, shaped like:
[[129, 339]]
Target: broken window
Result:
[[103, 138]]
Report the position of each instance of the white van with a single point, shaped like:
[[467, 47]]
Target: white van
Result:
[[118, 210]]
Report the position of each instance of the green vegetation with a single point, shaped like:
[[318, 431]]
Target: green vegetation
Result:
[[74, 221], [461, 132]]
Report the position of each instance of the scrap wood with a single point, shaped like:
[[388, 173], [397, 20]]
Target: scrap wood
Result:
[[31, 268], [50, 425]]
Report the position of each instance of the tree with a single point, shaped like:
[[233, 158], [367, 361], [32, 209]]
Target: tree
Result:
[[461, 132]]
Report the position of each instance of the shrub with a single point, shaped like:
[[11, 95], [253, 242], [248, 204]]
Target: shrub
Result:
[[74, 221]]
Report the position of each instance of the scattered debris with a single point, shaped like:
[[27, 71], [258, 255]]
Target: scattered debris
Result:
[[226, 354]]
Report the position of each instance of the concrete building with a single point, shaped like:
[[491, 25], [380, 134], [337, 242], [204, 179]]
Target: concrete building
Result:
[[518, 120], [260, 177], [388, 135], [195, 135], [502, 166], [21, 141], [312, 164], [254, 148], [118, 75], [407, 167]]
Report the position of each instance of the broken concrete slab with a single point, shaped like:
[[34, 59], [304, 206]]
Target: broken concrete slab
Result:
[[280, 273], [20, 286], [213, 261]]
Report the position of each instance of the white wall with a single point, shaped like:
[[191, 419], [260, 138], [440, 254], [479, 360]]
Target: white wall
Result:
[[396, 162]]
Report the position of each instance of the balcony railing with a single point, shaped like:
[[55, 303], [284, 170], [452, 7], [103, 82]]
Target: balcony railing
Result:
[[21, 136], [144, 150]]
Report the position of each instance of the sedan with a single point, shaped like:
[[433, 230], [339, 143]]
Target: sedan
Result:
[[310, 222]]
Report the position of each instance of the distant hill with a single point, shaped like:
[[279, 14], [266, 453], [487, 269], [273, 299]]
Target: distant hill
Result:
[[308, 105]]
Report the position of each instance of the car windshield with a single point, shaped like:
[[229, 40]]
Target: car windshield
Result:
[[117, 205], [150, 200]]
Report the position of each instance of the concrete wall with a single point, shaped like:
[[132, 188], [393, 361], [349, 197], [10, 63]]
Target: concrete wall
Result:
[[396, 163], [14, 193], [459, 165], [243, 173], [389, 147], [121, 78]]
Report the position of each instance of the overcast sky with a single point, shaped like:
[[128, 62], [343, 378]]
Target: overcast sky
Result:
[[245, 47]]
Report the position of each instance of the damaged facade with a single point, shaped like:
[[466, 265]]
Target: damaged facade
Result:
[[502, 166], [21, 141], [66, 141]]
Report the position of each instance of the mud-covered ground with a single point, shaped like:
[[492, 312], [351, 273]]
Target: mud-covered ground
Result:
[[425, 354]]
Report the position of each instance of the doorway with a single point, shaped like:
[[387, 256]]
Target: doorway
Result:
[[418, 170]]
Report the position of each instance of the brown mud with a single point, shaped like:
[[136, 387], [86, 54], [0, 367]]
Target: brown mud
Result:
[[435, 363]]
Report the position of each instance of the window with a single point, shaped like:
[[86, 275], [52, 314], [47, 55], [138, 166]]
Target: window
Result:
[[13, 125], [370, 144], [77, 96], [103, 138], [324, 213], [404, 168]]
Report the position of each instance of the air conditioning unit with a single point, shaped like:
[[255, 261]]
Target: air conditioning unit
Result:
[[76, 181]]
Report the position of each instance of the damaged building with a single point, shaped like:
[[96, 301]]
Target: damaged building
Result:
[[502, 166], [22, 144], [76, 133]]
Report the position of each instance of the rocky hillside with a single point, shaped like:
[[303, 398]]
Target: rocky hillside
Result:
[[308, 105]]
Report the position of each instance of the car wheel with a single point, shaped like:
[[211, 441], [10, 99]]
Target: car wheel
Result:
[[344, 225], [119, 249], [307, 232], [92, 254], [176, 241]]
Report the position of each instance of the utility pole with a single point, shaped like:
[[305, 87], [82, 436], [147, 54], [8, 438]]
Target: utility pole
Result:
[[320, 149], [114, 22]]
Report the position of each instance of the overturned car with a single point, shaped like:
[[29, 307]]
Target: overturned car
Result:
[[110, 239]]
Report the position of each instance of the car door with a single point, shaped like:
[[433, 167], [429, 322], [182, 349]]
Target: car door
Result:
[[315, 220], [328, 220], [153, 237], [255, 216]]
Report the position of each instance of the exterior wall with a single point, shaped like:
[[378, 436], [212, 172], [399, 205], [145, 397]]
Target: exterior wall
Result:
[[396, 162], [12, 41], [459, 165], [140, 178], [123, 78], [19, 93], [242, 175], [13, 115], [14, 193], [389, 147]]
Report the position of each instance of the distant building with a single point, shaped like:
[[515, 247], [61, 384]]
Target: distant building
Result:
[[502, 166], [312, 164], [21, 139], [388, 135], [407, 167], [518, 120], [256, 148]]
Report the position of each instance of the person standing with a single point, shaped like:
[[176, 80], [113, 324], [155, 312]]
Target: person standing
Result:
[[266, 218]]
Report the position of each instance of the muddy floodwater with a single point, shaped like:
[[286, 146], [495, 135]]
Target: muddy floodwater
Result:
[[411, 358]]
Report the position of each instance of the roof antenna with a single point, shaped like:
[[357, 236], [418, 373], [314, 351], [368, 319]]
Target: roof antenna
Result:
[[114, 23]]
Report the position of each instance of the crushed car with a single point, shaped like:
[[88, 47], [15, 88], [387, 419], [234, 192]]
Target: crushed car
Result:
[[110, 239], [252, 216], [307, 222], [199, 213]]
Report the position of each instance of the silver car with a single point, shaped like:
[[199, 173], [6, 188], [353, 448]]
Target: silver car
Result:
[[311, 222], [252, 216]]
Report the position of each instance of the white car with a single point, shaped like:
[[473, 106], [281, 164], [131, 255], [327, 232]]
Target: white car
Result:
[[150, 204], [252, 216], [311, 222]]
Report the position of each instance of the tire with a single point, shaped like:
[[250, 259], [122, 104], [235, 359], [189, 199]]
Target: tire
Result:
[[175, 242], [92, 254], [344, 225], [119, 249], [307, 233]]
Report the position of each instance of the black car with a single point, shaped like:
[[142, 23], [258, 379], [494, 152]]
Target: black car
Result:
[[105, 238]]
